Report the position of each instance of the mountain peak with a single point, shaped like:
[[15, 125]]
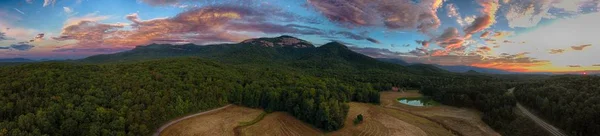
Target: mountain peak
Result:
[[281, 41], [334, 44]]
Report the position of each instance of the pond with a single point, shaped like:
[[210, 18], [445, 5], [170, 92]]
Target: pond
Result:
[[418, 101]]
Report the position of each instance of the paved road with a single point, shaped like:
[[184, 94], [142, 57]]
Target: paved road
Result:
[[157, 133], [553, 130]]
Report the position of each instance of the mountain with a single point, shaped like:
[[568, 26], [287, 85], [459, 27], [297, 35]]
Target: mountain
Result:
[[465, 69], [395, 61], [287, 51], [456, 69], [16, 60], [282, 41]]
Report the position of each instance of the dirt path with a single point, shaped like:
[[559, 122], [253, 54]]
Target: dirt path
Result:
[[553, 130], [157, 133]]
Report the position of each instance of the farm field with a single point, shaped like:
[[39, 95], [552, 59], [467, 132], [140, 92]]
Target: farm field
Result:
[[462, 120], [390, 118], [219, 123]]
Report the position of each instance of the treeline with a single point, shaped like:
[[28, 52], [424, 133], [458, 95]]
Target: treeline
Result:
[[136, 98], [488, 96], [571, 103]]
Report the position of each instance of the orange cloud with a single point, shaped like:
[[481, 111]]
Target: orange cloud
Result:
[[393, 14], [209, 24], [556, 51], [580, 47], [502, 34], [485, 34]]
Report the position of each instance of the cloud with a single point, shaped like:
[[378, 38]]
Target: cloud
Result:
[[165, 2], [377, 52], [69, 11], [357, 37], [487, 19], [4, 37], [448, 34], [392, 14], [4, 48], [596, 65], [452, 10], [485, 48], [21, 46], [19, 11], [529, 13], [91, 50], [423, 43], [209, 24], [580, 47], [556, 51], [39, 36], [574, 66], [49, 2], [502, 34], [485, 34]]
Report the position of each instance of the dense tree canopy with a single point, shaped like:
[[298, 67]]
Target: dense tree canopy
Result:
[[134, 92], [569, 102]]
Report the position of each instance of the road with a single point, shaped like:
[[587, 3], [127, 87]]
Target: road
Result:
[[553, 130], [157, 133]]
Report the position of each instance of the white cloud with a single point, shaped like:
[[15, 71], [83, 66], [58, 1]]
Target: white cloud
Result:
[[49, 2]]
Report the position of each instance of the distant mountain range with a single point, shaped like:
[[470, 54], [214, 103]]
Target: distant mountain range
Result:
[[457, 69], [16, 60]]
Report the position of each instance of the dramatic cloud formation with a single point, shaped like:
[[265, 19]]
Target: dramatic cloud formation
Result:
[[219, 23], [502, 34], [487, 19], [393, 14]]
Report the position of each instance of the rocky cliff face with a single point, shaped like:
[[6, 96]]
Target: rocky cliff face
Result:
[[282, 41]]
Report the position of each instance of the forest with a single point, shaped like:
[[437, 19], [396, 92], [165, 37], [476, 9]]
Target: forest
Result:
[[570, 102], [133, 99], [134, 92]]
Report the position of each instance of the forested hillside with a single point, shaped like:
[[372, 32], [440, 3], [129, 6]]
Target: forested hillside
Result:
[[134, 92], [134, 99]]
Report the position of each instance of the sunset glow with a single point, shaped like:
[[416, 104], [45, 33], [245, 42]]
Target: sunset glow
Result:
[[515, 35]]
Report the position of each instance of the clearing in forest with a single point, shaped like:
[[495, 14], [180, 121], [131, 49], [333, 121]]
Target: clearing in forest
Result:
[[462, 120], [219, 123]]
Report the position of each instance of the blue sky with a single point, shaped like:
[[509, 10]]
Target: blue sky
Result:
[[523, 35]]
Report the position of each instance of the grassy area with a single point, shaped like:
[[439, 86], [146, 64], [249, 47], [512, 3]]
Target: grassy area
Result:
[[252, 122]]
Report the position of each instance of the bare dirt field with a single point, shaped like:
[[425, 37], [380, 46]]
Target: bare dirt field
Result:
[[280, 124], [219, 123], [380, 121], [391, 118], [464, 121]]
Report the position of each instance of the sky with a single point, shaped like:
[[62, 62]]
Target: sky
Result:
[[513, 35]]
